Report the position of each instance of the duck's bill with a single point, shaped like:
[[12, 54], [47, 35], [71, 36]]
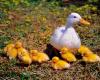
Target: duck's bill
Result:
[[82, 21]]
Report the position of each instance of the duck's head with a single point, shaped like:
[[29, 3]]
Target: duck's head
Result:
[[76, 18], [55, 59]]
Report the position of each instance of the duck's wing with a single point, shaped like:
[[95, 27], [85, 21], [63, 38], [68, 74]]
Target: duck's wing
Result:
[[59, 31], [54, 41]]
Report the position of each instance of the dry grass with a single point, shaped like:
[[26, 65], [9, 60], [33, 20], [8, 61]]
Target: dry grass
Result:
[[34, 26]]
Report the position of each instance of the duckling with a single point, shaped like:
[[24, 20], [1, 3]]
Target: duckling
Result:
[[33, 55], [23, 54], [83, 49], [59, 64], [38, 56], [67, 55], [87, 57], [11, 51], [20, 49], [25, 58]]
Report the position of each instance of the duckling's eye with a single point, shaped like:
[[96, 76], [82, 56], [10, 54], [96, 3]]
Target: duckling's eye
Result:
[[74, 16]]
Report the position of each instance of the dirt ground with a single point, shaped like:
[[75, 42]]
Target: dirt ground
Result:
[[34, 27]]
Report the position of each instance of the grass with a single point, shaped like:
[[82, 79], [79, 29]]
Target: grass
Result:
[[34, 26]]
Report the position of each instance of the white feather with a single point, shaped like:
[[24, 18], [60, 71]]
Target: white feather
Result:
[[66, 36]]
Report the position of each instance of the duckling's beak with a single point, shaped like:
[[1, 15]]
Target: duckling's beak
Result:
[[84, 21]]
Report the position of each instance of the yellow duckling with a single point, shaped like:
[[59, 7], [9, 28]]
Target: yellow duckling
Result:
[[83, 49], [20, 49], [90, 57], [11, 51], [23, 54], [25, 57], [67, 55], [38, 56], [33, 54], [59, 64]]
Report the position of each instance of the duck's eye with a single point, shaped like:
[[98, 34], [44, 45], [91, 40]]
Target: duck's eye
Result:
[[74, 16]]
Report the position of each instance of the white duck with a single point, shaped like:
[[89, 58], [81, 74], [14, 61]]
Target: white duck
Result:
[[66, 36]]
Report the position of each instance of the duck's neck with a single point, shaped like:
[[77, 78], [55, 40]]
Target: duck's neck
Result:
[[69, 25]]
